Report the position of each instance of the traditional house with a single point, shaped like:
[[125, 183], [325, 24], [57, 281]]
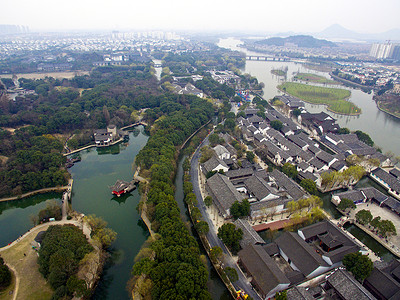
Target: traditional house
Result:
[[214, 164], [223, 193], [266, 277], [222, 152]]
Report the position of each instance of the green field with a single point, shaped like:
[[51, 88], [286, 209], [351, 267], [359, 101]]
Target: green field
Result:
[[334, 98], [314, 78]]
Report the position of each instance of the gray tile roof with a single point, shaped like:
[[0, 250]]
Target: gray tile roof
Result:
[[223, 192], [262, 268], [347, 286], [353, 195], [271, 248], [302, 255], [298, 293], [239, 173], [250, 236], [260, 188], [391, 180], [287, 184], [212, 163]]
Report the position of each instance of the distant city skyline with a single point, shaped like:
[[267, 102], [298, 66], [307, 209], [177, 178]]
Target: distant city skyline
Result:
[[208, 15]]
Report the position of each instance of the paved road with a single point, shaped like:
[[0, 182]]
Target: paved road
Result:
[[212, 237]]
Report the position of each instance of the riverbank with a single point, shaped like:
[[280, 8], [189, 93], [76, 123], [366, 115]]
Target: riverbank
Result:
[[386, 111], [57, 189]]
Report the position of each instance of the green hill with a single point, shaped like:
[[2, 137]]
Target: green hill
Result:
[[305, 41]]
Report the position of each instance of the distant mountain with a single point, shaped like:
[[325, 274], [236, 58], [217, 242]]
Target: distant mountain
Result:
[[337, 31], [305, 41]]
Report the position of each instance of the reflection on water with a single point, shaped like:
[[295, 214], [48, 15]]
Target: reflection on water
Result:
[[15, 216]]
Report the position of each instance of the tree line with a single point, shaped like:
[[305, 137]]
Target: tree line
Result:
[[176, 271]]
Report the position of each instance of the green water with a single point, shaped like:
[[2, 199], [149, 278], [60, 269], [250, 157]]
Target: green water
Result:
[[15, 216], [98, 170]]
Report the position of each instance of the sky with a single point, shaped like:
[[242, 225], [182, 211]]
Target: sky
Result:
[[364, 16]]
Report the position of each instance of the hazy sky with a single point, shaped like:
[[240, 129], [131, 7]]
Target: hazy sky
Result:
[[262, 15]]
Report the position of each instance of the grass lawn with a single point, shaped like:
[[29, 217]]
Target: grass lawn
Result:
[[308, 77], [334, 98], [32, 285]]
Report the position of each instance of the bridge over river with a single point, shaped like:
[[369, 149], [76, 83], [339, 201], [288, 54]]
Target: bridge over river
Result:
[[266, 58]]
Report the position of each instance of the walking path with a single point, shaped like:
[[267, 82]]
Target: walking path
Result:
[[41, 191]]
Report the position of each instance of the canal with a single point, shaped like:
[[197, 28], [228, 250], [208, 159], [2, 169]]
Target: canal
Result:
[[215, 285]]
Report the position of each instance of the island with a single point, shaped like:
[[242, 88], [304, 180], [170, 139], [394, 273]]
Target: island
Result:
[[333, 98]]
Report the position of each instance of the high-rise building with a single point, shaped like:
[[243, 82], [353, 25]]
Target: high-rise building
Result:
[[386, 50]]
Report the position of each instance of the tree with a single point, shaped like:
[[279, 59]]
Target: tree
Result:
[[281, 295], [290, 170], [202, 227], [214, 139], [230, 236], [359, 265], [292, 207], [375, 222], [309, 185], [387, 227], [231, 273], [296, 112], [276, 124], [250, 156], [345, 204], [208, 201], [364, 217], [206, 154], [364, 137], [343, 130], [5, 275], [215, 253], [240, 209], [106, 236]]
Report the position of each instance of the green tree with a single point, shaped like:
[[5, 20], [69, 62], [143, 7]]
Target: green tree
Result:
[[290, 170], [5, 275], [345, 204], [309, 186], [240, 209], [230, 236], [202, 227], [230, 124], [250, 156], [386, 227], [281, 295], [364, 137], [276, 124], [208, 201], [359, 265], [364, 217], [343, 130], [296, 112], [215, 253], [375, 222], [214, 139], [231, 273]]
